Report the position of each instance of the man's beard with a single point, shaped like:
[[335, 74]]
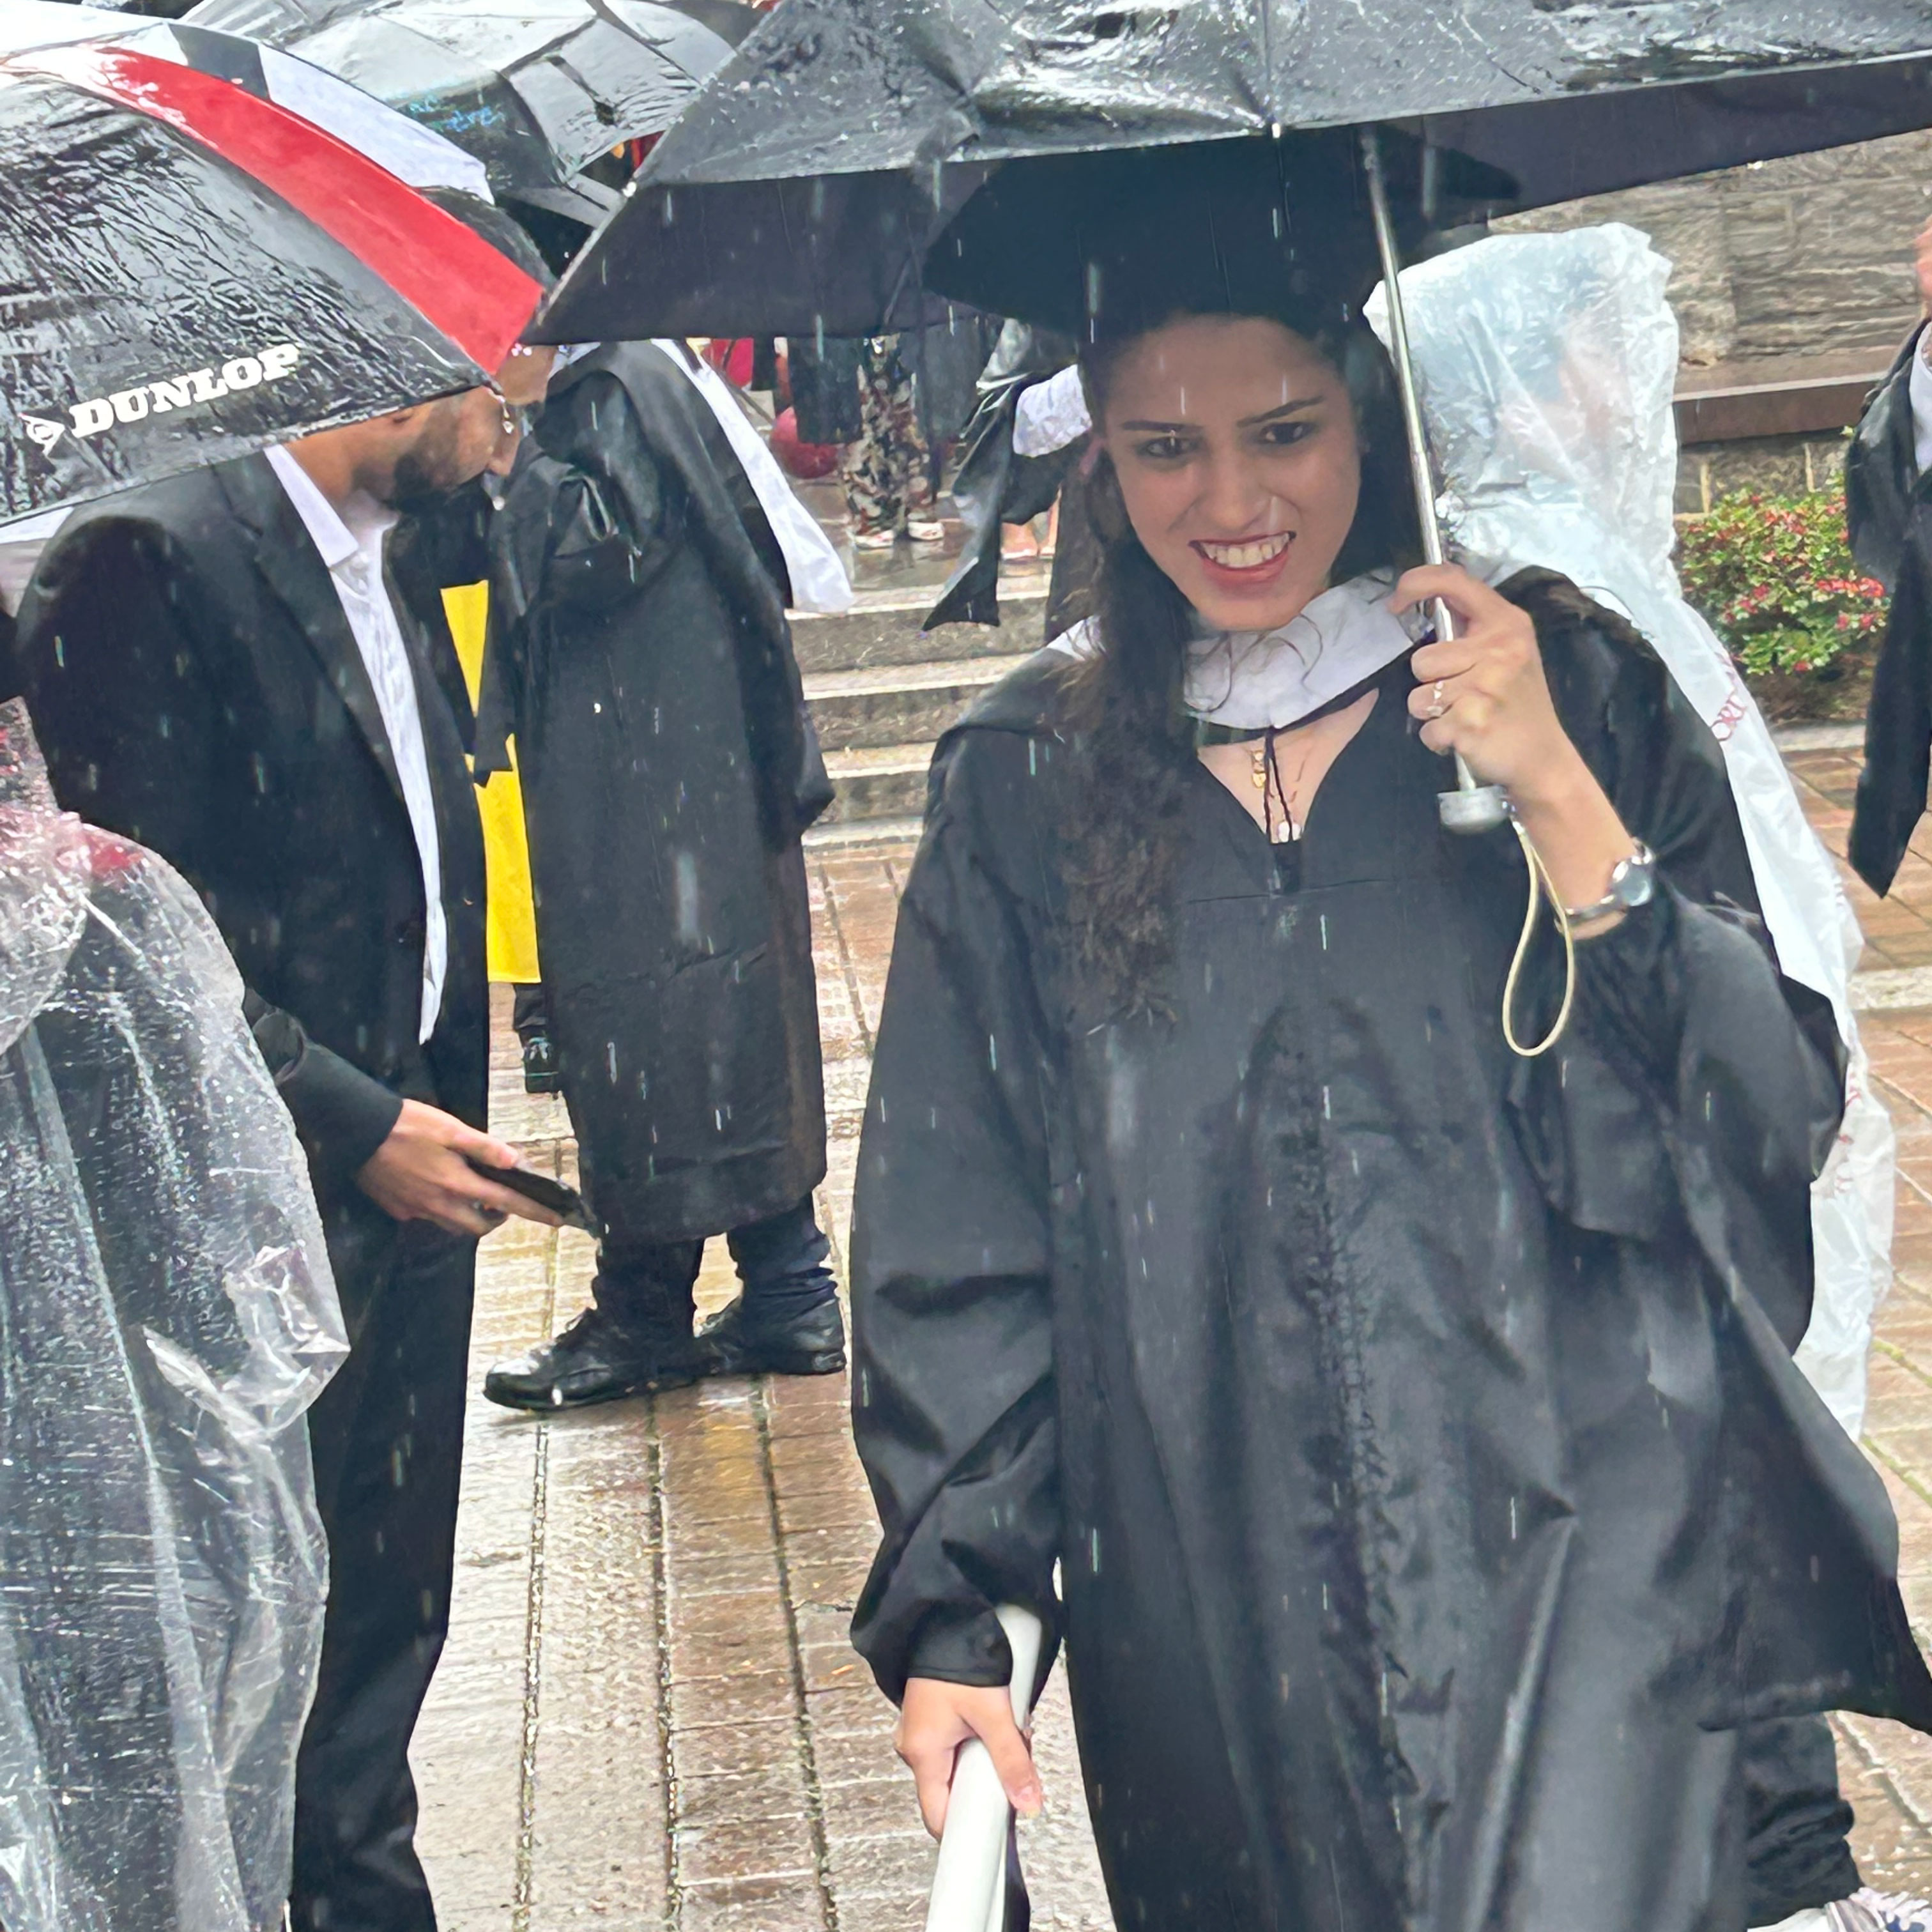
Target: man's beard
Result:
[[428, 472]]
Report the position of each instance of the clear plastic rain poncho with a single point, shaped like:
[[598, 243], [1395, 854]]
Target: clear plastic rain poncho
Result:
[[1547, 365], [166, 1315]]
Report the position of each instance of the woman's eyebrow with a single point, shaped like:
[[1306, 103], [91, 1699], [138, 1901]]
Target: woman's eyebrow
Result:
[[1167, 426], [1279, 409]]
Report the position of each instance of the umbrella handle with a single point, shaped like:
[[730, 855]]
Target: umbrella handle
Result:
[[969, 1882]]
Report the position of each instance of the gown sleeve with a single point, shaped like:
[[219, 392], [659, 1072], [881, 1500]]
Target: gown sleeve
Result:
[[953, 1406], [606, 517], [1696, 1078]]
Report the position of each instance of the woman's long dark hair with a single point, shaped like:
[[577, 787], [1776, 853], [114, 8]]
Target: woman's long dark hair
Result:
[[1135, 742]]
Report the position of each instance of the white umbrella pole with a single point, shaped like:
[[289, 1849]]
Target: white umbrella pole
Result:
[[969, 1884], [1471, 807]]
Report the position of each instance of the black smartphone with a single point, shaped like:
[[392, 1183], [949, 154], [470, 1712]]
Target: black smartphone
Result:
[[543, 1190]]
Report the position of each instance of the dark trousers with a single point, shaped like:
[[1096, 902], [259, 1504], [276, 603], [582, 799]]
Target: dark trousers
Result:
[[781, 1260], [387, 1435], [1795, 1820], [530, 1011]]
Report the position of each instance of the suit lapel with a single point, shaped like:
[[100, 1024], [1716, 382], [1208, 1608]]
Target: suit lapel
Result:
[[292, 566]]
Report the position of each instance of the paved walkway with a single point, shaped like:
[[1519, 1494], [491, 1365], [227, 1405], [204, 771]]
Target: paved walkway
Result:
[[648, 1716]]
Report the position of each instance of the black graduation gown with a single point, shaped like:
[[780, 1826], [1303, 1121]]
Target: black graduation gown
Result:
[[1890, 523], [641, 656], [1414, 1427]]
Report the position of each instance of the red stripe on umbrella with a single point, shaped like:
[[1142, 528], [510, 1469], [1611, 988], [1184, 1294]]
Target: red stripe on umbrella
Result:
[[478, 298]]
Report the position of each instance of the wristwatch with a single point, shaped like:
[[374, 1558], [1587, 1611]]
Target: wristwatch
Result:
[[1633, 883]]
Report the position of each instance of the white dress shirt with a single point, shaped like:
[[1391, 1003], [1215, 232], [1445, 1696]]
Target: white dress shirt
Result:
[[351, 543]]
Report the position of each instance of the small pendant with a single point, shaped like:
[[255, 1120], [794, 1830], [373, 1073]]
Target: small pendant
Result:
[[1285, 833], [1258, 770]]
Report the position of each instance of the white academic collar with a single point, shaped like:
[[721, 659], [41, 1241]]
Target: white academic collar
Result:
[[1250, 680], [328, 530]]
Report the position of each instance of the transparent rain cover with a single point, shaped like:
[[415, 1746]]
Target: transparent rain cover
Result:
[[1547, 365], [167, 1316]]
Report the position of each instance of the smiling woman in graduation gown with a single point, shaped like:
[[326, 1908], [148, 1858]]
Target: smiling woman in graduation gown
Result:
[[1412, 1424]]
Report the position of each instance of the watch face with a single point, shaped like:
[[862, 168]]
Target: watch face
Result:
[[1635, 880]]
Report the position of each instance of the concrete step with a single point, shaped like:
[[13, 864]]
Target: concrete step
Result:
[[880, 781], [896, 704], [827, 841], [883, 629]]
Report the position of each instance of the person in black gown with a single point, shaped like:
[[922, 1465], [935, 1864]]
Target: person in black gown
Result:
[[1399, 1429]]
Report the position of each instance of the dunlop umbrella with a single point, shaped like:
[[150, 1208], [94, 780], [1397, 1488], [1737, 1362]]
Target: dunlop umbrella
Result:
[[539, 90], [410, 151], [192, 272]]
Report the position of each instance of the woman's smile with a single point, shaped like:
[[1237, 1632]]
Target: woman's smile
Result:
[[1248, 563]]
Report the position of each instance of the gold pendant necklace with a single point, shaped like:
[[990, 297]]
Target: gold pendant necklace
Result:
[[1264, 773]]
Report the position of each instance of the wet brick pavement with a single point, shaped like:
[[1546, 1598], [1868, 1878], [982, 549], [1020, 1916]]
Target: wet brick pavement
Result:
[[648, 1716]]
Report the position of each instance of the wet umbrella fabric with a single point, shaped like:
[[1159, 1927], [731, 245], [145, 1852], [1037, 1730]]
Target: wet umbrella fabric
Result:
[[536, 89], [773, 206], [197, 273], [410, 152]]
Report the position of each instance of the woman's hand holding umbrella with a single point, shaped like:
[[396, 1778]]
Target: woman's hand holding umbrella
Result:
[[1483, 693], [937, 1718]]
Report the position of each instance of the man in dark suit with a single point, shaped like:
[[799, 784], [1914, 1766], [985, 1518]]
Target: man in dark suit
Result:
[[220, 667]]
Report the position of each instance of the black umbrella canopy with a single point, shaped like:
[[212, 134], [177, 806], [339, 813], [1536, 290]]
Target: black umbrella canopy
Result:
[[536, 89], [191, 272], [901, 110]]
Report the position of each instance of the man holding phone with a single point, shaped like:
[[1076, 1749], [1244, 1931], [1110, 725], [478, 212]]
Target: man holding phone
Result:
[[220, 667]]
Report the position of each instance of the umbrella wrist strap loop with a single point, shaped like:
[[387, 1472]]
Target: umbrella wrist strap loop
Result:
[[1541, 887]]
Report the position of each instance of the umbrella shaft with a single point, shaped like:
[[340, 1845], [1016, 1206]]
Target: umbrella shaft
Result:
[[1399, 354], [1480, 806]]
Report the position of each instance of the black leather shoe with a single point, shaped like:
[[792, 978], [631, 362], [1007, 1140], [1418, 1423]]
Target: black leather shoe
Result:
[[540, 1069], [811, 1344], [594, 1359]]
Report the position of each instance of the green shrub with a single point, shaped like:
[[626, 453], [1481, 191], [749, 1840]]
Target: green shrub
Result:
[[1775, 577]]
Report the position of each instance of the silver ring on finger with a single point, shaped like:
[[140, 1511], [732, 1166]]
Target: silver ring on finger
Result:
[[1436, 706]]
